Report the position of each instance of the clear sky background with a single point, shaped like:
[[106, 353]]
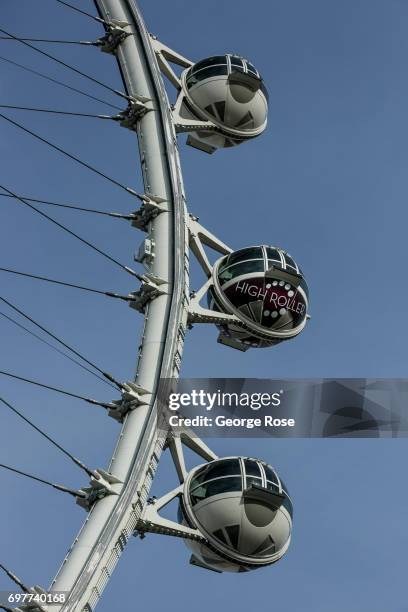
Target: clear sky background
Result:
[[327, 182]]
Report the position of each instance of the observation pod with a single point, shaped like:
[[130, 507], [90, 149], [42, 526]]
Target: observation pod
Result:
[[264, 288], [244, 511], [228, 91]]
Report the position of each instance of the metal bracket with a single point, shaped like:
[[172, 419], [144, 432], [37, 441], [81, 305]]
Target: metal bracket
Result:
[[152, 522], [149, 290], [199, 314], [101, 485], [200, 236], [136, 109], [132, 397], [150, 208], [114, 36], [165, 55], [175, 442], [189, 124]]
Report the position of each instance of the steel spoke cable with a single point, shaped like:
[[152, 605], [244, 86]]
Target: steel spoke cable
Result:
[[62, 63], [20, 583], [78, 363], [59, 487], [64, 344], [48, 40], [15, 579], [48, 438], [77, 236], [65, 284], [74, 158], [72, 207], [56, 112], [52, 80], [78, 10], [89, 400]]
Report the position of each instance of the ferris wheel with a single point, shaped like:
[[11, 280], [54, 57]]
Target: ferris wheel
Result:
[[235, 513]]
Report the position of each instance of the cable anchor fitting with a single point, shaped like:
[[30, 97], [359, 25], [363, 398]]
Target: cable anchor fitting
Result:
[[136, 109], [151, 288], [40, 593], [101, 486], [114, 36], [151, 207], [132, 397]]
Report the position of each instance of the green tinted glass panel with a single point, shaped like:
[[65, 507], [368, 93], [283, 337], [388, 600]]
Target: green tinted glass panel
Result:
[[216, 487], [228, 467], [243, 254], [246, 267], [252, 69], [270, 474], [252, 468], [251, 480], [273, 254], [205, 74], [272, 486], [209, 61], [290, 262]]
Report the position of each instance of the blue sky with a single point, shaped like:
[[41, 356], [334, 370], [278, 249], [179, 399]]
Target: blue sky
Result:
[[327, 182]]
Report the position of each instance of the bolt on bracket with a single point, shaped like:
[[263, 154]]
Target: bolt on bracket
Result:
[[136, 109], [151, 207], [114, 36], [132, 397], [101, 486], [149, 290], [151, 521]]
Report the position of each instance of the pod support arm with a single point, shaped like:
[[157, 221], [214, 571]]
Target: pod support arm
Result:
[[165, 55], [151, 520], [198, 237]]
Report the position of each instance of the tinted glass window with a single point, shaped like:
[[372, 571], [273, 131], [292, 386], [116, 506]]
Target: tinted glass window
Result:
[[290, 262], [219, 534], [236, 61], [273, 254], [233, 534], [229, 467], [284, 487], [275, 264], [266, 548], [270, 474], [216, 487], [251, 480], [209, 61], [243, 254], [252, 468], [205, 74], [272, 486], [241, 268], [252, 69]]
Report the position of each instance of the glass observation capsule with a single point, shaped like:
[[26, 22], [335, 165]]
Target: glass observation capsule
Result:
[[228, 91], [265, 289], [244, 511]]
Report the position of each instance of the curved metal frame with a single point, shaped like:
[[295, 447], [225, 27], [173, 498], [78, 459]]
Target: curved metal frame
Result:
[[164, 299], [112, 520]]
